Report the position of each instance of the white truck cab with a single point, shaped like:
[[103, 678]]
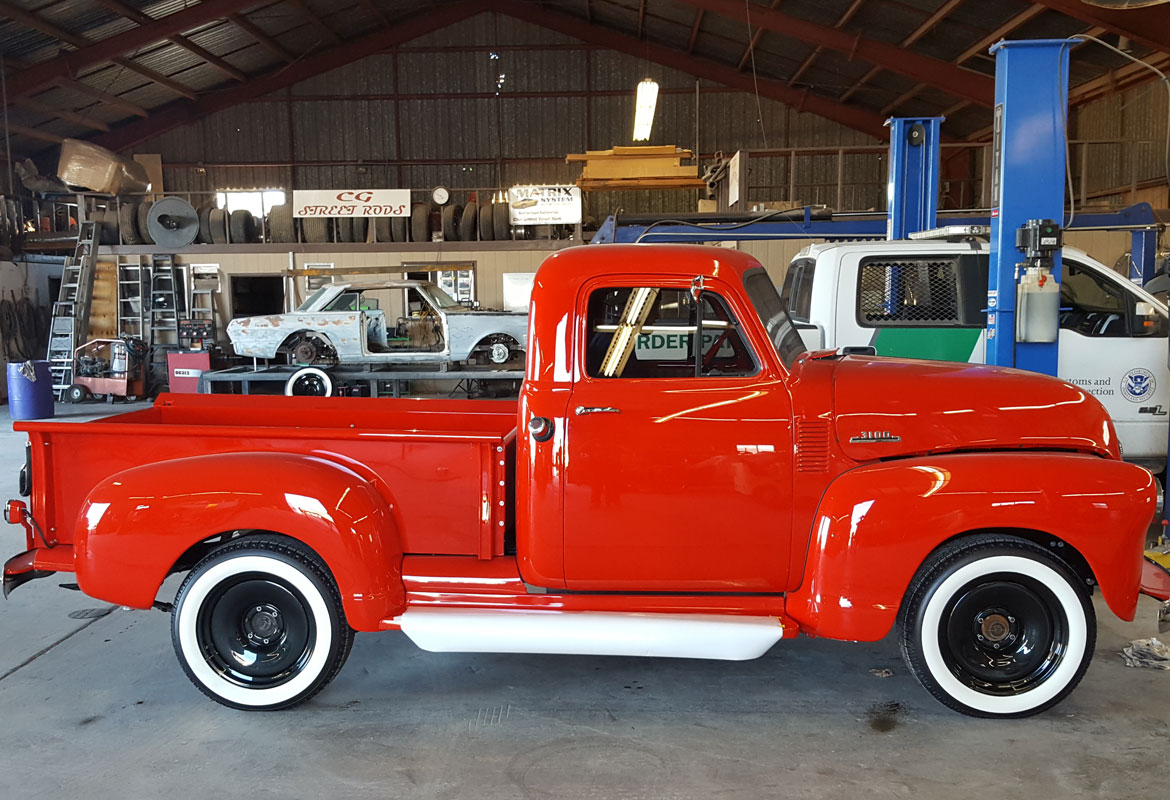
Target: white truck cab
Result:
[[927, 299]]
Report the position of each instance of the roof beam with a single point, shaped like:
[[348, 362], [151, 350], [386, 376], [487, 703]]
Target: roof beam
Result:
[[262, 38], [694, 30], [183, 113], [34, 133], [747, 53], [641, 17], [39, 23], [69, 116], [66, 65], [102, 97], [131, 13], [1149, 25], [916, 34], [1116, 79], [316, 21], [859, 119], [841, 22], [377, 12], [981, 46], [931, 71]]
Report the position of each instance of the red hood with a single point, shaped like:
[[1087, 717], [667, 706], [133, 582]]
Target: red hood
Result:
[[894, 407]]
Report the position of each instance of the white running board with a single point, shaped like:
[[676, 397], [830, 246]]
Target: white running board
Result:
[[599, 633]]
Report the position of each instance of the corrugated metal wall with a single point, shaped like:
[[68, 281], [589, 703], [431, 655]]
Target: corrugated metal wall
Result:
[[365, 125], [1133, 125]]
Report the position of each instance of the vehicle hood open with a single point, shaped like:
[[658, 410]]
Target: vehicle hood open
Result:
[[888, 407]]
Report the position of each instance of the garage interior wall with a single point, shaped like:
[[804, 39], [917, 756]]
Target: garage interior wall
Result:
[[400, 119]]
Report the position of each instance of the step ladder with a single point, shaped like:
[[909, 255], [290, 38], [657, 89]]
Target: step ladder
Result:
[[162, 318], [69, 323], [132, 301]]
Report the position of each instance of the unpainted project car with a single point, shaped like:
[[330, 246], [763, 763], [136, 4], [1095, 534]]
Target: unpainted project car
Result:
[[346, 323]]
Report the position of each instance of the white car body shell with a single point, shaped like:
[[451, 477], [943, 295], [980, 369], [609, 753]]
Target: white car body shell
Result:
[[464, 330]]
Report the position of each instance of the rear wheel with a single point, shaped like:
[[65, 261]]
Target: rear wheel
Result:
[[995, 626], [258, 624]]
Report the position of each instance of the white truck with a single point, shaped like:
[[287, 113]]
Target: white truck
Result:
[[928, 299]]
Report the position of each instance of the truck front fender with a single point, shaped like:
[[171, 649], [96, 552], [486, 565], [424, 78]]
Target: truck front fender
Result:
[[877, 524], [135, 525]]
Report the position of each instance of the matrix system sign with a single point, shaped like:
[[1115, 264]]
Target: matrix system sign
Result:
[[352, 203], [544, 205]]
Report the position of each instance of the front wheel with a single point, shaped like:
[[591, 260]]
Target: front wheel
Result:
[[258, 624], [995, 626]]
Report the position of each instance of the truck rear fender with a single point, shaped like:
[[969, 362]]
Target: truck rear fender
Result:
[[878, 523], [135, 526]]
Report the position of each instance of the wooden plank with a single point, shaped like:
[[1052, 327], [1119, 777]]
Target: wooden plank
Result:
[[641, 183], [638, 169]]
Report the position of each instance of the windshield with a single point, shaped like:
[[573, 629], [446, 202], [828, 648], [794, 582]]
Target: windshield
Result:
[[766, 301], [441, 298], [313, 298]]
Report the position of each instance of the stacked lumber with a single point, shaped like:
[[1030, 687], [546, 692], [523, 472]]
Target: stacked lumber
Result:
[[654, 167]]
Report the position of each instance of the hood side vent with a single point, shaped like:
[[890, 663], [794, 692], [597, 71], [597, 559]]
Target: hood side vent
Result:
[[812, 445]]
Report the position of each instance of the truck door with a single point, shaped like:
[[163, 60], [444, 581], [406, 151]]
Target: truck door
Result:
[[679, 447], [1113, 345]]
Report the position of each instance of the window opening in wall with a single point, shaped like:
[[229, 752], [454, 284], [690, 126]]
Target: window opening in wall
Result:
[[258, 201], [456, 278], [256, 295]]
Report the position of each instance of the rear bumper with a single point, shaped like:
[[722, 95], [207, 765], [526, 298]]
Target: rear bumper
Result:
[[39, 562], [21, 569]]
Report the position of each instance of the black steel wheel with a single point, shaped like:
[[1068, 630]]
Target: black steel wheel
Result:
[[996, 626], [258, 624], [309, 382]]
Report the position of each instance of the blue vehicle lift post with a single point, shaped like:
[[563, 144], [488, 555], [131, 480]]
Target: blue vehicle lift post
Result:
[[912, 188], [1027, 181]]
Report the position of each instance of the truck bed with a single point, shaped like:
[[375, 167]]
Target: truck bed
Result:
[[445, 466]]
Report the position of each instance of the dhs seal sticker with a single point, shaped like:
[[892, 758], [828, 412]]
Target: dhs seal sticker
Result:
[[1138, 385]]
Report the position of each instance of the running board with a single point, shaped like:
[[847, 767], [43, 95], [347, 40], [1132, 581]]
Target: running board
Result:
[[598, 633]]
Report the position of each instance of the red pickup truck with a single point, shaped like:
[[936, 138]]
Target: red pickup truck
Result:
[[679, 478]]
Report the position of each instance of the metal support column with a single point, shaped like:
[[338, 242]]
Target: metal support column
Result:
[[912, 189], [1027, 181]]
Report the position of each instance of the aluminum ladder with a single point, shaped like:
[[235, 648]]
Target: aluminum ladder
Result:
[[132, 299], [69, 324]]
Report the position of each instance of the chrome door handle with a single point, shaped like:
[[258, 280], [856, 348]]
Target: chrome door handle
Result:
[[596, 410]]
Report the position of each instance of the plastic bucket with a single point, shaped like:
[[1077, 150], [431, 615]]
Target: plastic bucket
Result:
[[30, 399]]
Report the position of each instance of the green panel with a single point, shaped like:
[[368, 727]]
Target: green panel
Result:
[[936, 344]]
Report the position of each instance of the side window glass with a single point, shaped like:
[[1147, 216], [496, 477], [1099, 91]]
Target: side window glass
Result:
[[648, 332], [909, 293], [796, 293], [1091, 304]]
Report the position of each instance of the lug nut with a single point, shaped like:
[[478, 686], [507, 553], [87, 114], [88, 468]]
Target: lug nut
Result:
[[1011, 619]]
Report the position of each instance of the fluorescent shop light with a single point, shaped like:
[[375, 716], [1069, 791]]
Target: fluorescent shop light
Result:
[[644, 106]]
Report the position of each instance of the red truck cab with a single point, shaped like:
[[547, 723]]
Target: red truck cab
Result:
[[679, 478]]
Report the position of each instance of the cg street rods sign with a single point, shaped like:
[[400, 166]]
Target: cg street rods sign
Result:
[[351, 203]]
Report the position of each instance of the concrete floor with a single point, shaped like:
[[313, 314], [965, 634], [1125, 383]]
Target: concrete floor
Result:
[[98, 707]]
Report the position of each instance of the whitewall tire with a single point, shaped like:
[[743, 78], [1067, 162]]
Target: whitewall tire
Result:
[[258, 624], [996, 626], [309, 382]]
